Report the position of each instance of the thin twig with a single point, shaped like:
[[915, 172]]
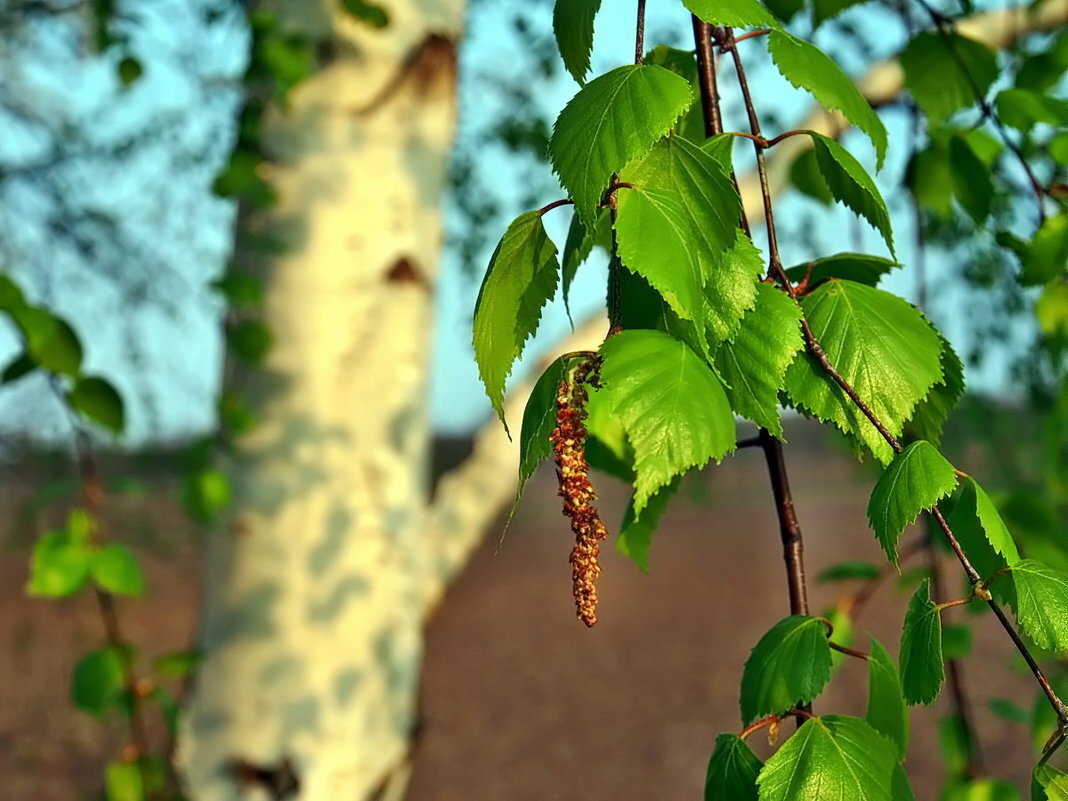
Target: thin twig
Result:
[[555, 205], [639, 34], [842, 649]]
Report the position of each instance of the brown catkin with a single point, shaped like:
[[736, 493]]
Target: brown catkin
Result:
[[572, 472]]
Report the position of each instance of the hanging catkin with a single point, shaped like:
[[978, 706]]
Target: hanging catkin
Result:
[[572, 472]]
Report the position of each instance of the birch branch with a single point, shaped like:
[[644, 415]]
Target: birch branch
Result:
[[470, 498]]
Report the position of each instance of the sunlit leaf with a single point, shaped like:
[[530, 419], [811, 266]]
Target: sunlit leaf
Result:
[[115, 569], [788, 667], [732, 771], [945, 72], [922, 664], [573, 27]]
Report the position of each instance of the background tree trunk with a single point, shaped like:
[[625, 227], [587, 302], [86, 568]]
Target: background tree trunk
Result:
[[314, 599]]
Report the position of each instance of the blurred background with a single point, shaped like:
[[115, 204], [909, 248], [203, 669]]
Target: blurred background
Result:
[[265, 224]]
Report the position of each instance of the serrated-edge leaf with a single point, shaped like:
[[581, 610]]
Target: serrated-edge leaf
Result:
[[859, 267], [753, 364], [736, 13], [850, 184], [931, 413], [520, 280], [830, 757], [887, 712], [613, 120], [636, 530], [732, 771], [577, 248], [915, 480], [1048, 784], [882, 346], [672, 406], [922, 665], [573, 28], [807, 67], [789, 666], [1042, 604]]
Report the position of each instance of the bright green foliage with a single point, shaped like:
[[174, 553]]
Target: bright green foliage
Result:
[[899, 785], [59, 566], [691, 125], [859, 267], [672, 407], [974, 518], [1051, 309], [115, 569], [880, 345], [806, 178], [788, 667], [573, 27], [753, 364], [205, 493], [1042, 604], [732, 771], [823, 10], [1024, 109], [607, 448], [915, 480], [710, 203], [1049, 784], [1046, 257], [51, 343], [887, 712], [97, 680], [636, 531], [249, 340], [934, 76], [982, 790], [922, 665], [178, 664], [613, 120], [830, 757], [972, 183], [930, 179], [849, 571], [736, 13], [850, 184], [731, 287], [521, 278], [123, 781], [841, 634], [933, 411], [97, 400], [807, 67]]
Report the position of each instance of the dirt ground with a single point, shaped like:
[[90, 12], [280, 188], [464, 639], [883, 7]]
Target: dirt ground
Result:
[[521, 702]]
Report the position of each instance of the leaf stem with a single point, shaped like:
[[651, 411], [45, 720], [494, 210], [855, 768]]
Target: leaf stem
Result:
[[752, 34], [555, 205], [842, 649]]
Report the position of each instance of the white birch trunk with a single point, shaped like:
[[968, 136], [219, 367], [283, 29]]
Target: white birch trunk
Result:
[[314, 610]]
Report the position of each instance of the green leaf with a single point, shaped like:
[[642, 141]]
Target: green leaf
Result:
[[49, 340], [573, 27], [806, 178], [123, 781], [944, 71], [922, 665], [859, 267], [177, 664], [1042, 604], [899, 785], [691, 125], [241, 291], [732, 771], [96, 399], [982, 533], [830, 757], [851, 185], [789, 667], [955, 743], [673, 408], [11, 296], [887, 712], [930, 179], [1047, 254], [20, 366], [731, 287], [636, 531], [849, 571], [972, 182], [915, 480], [129, 71], [982, 790], [250, 340], [1023, 109], [753, 364], [204, 494], [880, 345], [736, 13], [841, 634], [521, 278], [1049, 784], [613, 120], [368, 13], [59, 566], [805, 66], [1051, 309], [933, 411], [823, 10], [1009, 710], [116, 570], [97, 681]]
